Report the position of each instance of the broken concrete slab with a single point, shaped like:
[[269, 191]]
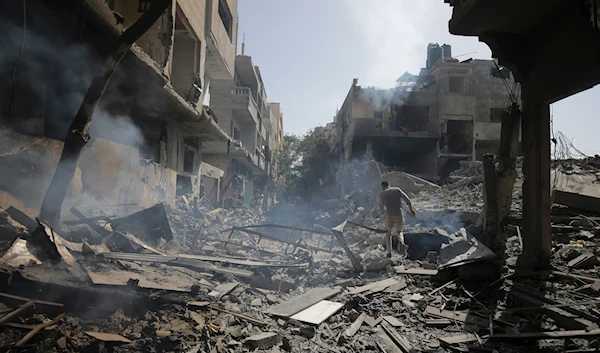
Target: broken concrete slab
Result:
[[463, 249], [318, 313], [264, 340], [303, 301]]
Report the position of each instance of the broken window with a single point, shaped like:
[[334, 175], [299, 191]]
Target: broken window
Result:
[[496, 115], [226, 17], [411, 118], [188, 161], [378, 114], [500, 73], [184, 185], [459, 136], [456, 84]]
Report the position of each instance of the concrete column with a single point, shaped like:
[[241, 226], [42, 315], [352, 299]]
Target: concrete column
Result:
[[535, 125], [172, 147]]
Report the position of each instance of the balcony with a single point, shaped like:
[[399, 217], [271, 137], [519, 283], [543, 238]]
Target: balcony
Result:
[[243, 106], [220, 46]]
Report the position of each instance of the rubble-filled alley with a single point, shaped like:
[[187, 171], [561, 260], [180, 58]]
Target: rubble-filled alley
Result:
[[150, 201], [196, 279]]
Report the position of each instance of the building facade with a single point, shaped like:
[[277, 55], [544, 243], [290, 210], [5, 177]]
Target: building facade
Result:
[[155, 117], [255, 127], [451, 111]]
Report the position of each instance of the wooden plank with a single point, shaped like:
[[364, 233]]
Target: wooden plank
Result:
[[223, 289], [386, 344], [396, 287], [371, 321], [415, 271], [353, 329], [393, 321], [437, 322], [270, 237], [402, 342], [23, 299], [303, 301], [318, 313], [562, 317], [16, 312], [108, 337], [570, 275], [548, 335], [452, 340], [209, 267], [375, 286], [233, 261], [455, 316], [38, 328]]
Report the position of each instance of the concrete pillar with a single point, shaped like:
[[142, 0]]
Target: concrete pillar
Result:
[[172, 147], [535, 125]]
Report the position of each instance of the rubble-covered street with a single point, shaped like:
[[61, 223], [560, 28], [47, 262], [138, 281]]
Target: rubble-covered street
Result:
[[197, 279], [435, 188]]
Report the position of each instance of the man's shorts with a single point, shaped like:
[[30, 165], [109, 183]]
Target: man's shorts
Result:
[[390, 221]]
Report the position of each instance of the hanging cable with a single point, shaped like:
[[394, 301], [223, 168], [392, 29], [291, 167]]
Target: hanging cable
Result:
[[14, 74], [511, 94]]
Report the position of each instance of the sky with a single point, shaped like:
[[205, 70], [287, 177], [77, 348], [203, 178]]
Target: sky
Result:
[[309, 51]]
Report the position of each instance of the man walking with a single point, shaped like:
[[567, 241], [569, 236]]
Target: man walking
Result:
[[391, 198]]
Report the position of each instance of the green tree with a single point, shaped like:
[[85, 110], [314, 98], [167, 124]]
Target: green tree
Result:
[[305, 163]]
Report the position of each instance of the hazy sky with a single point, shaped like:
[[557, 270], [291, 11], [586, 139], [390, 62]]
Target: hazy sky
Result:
[[309, 51]]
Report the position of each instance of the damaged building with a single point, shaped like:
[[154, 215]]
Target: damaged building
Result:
[[255, 126], [451, 111], [149, 131]]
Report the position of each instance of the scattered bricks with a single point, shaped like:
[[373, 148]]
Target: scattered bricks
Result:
[[264, 340]]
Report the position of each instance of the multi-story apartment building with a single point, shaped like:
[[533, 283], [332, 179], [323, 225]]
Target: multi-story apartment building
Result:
[[256, 128], [451, 111], [149, 130]]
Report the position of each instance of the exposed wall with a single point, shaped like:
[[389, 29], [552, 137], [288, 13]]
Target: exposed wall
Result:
[[157, 41], [110, 175], [219, 39], [184, 59]]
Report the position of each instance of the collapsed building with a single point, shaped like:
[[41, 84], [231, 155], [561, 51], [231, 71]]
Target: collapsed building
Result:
[[451, 111], [154, 120]]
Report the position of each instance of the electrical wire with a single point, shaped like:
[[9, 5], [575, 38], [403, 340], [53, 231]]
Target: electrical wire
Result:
[[14, 74]]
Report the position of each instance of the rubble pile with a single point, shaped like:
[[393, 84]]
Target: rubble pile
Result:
[[195, 278]]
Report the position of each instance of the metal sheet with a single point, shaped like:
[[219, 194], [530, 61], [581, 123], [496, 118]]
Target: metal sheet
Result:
[[319, 312], [18, 255]]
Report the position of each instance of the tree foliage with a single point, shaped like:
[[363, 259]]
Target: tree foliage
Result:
[[305, 164]]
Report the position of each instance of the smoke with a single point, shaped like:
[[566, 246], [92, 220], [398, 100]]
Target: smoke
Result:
[[54, 68], [51, 70], [117, 128], [381, 98]]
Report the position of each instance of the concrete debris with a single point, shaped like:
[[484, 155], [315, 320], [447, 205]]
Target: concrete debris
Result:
[[204, 279]]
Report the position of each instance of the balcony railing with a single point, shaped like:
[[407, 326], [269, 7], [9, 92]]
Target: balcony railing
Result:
[[246, 93], [237, 90]]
